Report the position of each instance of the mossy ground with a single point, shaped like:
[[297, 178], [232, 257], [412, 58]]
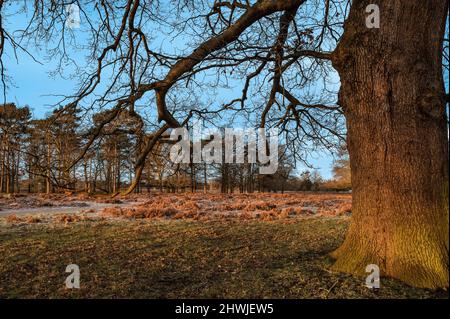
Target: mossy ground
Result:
[[184, 259]]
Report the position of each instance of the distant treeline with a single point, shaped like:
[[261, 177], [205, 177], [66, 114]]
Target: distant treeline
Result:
[[49, 155]]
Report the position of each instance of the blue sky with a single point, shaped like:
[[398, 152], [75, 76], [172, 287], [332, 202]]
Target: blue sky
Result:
[[33, 85]]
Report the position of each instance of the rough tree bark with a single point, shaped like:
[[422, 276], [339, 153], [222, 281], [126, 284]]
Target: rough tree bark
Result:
[[392, 93]]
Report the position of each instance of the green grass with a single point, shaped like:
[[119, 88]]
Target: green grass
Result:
[[183, 259]]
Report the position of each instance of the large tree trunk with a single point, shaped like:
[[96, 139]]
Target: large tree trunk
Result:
[[392, 94]]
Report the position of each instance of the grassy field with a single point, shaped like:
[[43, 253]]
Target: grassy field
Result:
[[166, 258]]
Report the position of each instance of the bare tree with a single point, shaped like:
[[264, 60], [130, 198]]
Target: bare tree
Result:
[[283, 52]]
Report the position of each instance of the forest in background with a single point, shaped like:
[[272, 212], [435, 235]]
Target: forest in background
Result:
[[38, 156]]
